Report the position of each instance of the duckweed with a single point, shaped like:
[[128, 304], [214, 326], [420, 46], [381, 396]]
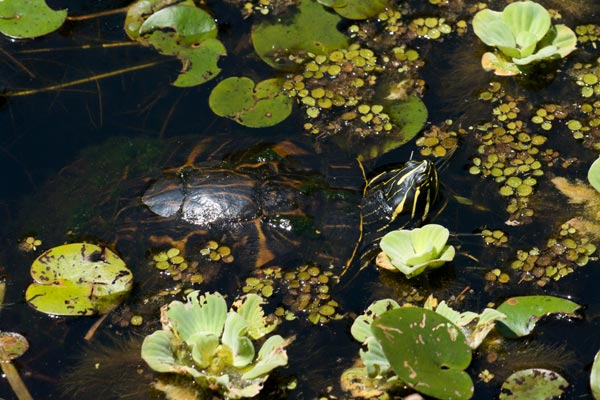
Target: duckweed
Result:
[[439, 140], [29, 244], [494, 237], [216, 251], [562, 255]]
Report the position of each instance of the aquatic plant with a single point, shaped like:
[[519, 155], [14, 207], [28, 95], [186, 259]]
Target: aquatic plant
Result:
[[13, 345], [533, 383], [442, 343], [29, 19], [78, 279], [253, 105], [411, 251], [200, 340], [523, 34], [183, 30], [593, 175]]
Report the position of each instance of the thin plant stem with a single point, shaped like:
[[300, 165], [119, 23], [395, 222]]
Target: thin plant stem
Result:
[[98, 14], [82, 81]]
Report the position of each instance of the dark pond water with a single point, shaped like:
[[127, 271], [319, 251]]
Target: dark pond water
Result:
[[74, 159]]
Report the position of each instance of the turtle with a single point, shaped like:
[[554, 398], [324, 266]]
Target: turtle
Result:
[[278, 201]]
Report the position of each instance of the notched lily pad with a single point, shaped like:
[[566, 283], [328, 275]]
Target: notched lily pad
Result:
[[426, 351], [78, 279], [309, 28], [533, 384], [237, 98], [29, 18], [523, 312], [181, 30]]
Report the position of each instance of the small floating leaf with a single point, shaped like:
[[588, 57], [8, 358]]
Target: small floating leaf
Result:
[[237, 98], [523, 312], [533, 384], [29, 18], [428, 352], [13, 345], [311, 29], [78, 279]]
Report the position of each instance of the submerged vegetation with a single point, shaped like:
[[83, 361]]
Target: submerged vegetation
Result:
[[340, 96]]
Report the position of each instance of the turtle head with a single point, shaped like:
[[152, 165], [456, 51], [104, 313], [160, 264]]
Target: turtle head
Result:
[[409, 190]]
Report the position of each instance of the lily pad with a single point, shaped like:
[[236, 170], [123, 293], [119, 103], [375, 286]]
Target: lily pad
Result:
[[311, 28], [13, 345], [523, 312], [29, 18], [238, 98], [533, 384], [356, 9], [409, 115], [182, 30], [191, 23], [78, 279], [426, 351]]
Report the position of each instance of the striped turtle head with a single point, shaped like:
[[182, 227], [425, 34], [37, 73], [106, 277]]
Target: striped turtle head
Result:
[[408, 191]]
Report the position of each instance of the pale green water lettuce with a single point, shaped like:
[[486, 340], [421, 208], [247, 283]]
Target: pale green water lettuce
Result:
[[202, 340], [524, 34], [412, 251], [594, 174]]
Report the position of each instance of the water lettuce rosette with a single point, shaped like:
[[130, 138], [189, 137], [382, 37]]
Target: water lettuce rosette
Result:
[[524, 34], [412, 251]]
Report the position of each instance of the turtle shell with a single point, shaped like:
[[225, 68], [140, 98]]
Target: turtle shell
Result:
[[274, 202]]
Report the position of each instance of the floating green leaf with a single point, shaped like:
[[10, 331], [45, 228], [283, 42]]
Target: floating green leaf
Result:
[[202, 340], [594, 175], [192, 24], [78, 279], [375, 362], [523, 33], [523, 312], [411, 251], [474, 332], [250, 307], [595, 377], [426, 351], [408, 115], [181, 30], [533, 384], [310, 28], [29, 18], [257, 106], [356, 9]]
